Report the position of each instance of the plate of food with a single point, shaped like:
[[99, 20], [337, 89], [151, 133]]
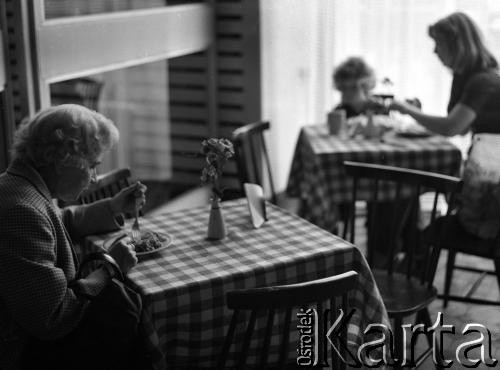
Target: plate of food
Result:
[[413, 132], [150, 242], [408, 127], [358, 125]]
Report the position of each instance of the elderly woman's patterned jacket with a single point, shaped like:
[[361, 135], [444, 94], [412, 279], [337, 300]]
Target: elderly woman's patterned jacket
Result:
[[37, 260]]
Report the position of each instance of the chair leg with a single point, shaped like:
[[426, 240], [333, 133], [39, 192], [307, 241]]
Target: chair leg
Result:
[[496, 260], [345, 217], [398, 342], [426, 320], [450, 265]]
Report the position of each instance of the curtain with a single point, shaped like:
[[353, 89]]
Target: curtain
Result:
[[296, 72], [303, 40]]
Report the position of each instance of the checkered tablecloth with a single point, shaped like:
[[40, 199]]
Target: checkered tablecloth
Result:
[[317, 175], [184, 286]]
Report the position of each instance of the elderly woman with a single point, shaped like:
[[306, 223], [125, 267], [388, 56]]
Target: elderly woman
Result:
[[475, 91], [55, 155]]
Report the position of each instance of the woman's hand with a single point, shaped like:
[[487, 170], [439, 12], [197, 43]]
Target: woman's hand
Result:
[[124, 255], [415, 102], [377, 105], [126, 200], [400, 106]]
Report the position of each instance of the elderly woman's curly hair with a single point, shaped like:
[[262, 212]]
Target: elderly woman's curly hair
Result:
[[64, 135]]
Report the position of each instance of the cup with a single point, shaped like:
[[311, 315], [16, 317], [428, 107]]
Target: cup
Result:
[[336, 121], [372, 131]]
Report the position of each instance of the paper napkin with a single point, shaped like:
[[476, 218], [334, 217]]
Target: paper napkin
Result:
[[256, 204]]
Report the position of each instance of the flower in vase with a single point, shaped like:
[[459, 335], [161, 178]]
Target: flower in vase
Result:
[[217, 152]]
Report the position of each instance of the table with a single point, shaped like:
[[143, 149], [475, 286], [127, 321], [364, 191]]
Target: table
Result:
[[317, 173], [184, 286]]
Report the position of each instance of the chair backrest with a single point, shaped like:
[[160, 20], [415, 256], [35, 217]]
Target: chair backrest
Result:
[[85, 91], [405, 187], [106, 186], [272, 300], [252, 158]]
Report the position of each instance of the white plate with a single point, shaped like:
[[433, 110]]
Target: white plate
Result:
[[168, 241]]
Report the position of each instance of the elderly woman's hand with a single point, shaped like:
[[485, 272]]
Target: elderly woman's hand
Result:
[[125, 201], [124, 255]]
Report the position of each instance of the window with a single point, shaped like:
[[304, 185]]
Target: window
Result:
[[304, 40], [392, 36]]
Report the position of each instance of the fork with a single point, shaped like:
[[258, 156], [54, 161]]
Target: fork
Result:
[[136, 231]]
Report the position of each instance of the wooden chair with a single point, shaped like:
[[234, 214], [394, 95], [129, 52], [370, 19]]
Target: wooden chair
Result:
[[478, 209], [406, 278], [252, 161], [459, 241], [85, 91], [252, 158], [284, 297], [107, 185]]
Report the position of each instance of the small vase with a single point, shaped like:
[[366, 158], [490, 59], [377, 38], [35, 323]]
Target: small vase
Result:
[[216, 224]]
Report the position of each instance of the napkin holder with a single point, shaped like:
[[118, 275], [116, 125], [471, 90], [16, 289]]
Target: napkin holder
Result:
[[256, 204]]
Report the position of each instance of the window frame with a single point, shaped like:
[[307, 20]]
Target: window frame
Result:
[[103, 42]]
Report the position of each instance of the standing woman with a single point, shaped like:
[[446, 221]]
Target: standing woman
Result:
[[475, 92], [55, 155]]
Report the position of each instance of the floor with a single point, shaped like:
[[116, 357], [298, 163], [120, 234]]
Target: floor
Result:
[[456, 314], [459, 314]]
